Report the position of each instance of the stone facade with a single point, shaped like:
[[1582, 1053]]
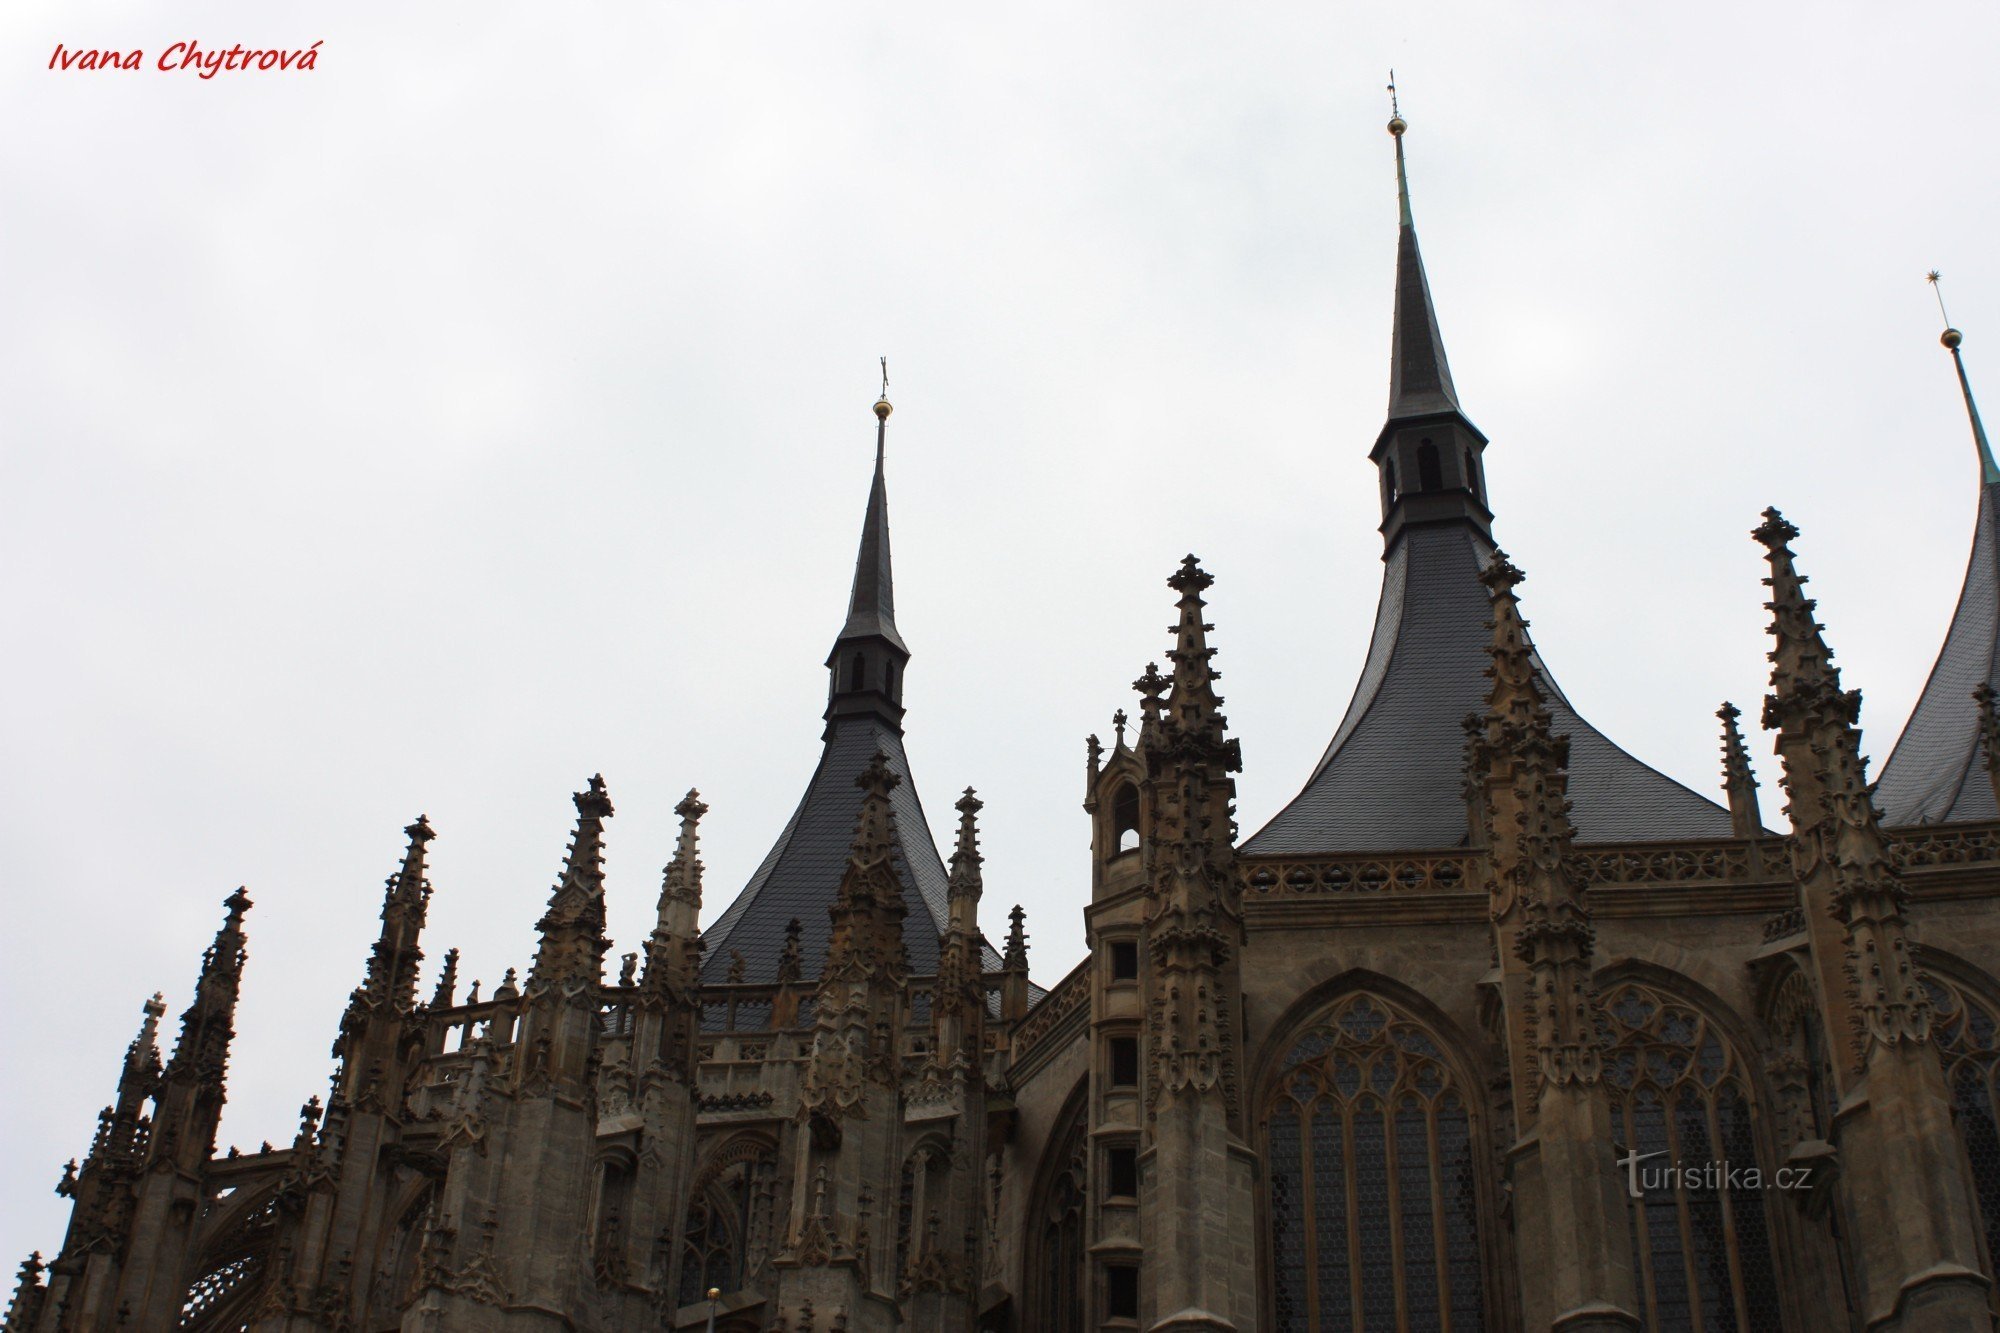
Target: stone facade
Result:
[[1325, 1077]]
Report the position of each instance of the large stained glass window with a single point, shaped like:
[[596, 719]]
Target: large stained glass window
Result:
[[718, 1235], [1681, 1099], [1055, 1232], [1965, 1029], [1374, 1218]]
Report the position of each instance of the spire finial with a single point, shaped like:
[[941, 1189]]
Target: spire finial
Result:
[[1397, 125], [1989, 471], [882, 408]]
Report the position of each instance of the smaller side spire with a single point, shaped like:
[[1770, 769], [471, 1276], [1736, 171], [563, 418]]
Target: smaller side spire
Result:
[[791, 958], [966, 884], [1738, 782], [1192, 703], [1014, 967], [573, 943], [673, 951], [447, 983], [192, 1087], [392, 967], [1952, 339]]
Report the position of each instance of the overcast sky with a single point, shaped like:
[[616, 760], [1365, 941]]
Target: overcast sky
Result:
[[490, 407]]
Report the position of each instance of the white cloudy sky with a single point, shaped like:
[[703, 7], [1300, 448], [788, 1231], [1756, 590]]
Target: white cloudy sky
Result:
[[489, 408]]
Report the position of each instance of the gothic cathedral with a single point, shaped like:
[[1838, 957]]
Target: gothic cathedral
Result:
[[1493, 1027]]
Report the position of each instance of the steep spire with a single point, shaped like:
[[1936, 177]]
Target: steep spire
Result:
[[1419, 376], [1430, 456], [1393, 774], [866, 664], [1931, 776], [1738, 782], [573, 941], [673, 952]]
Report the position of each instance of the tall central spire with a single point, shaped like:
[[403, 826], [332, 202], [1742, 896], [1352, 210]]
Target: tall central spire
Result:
[[1429, 454], [866, 665], [780, 919], [1392, 776]]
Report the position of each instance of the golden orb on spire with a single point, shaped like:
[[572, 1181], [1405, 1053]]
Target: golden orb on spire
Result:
[[1397, 125], [1951, 338], [882, 409]]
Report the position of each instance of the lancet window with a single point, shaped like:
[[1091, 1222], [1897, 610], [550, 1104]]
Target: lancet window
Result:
[[1967, 1034], [1681, 1099], [920, 1199], [720, 1239], [1373, 1199], [1056, 1232], [233, 1272]]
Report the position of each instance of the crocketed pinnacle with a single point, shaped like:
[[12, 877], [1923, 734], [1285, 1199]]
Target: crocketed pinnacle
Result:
[[1738, 782], [673, 951], [868, 910], [1514, 703], [1419, 376], [1192, 703], [1016, 957], [392, 967], [447, 983], [202, 1053], [572, 929], [1805, 685], [965, 858]]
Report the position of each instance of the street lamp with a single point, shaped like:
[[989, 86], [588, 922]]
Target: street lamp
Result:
[[714, 1295]]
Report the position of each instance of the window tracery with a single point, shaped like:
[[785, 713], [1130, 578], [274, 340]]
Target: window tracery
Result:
[[1680, 1098], [1056, 1232], [720, 1236], [1966, 1031], [1373, 1216]]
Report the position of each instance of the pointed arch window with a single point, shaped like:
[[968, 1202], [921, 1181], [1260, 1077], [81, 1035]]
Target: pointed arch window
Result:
[[1389, 491], [720, 1240], [1055, 1232], [857, 673], [1430, 472], [1373, 1218], [1678, 1089], [919, 1206], [1125, 817], [1472, 475], [1966, 1031]]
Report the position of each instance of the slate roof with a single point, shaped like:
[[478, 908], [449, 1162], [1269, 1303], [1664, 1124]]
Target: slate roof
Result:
[[802, 872], [1391, 779], [1935, 774]]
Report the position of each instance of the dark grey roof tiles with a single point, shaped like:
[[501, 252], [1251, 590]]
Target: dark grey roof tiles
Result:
[[1419, 375], [1392, 777], [1935, 773], [802, 873]]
